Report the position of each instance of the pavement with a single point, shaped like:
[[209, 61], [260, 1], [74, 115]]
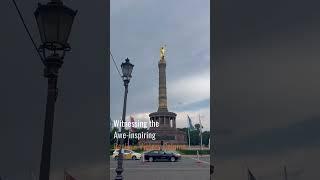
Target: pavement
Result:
[[188, 168]]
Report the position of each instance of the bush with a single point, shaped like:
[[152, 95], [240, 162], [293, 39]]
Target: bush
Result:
[[193, 152]]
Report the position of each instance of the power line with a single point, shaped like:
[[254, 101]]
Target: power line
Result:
[[26, 28], [115, 64]]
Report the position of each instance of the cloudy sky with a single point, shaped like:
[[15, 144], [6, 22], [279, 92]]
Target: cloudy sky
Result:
[[138, 29], [267, 89]]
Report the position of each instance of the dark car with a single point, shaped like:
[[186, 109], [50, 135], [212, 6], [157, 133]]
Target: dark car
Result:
[[158, 155]]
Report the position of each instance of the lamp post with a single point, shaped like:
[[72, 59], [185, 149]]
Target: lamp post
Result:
[[126, 76], [54, 22]]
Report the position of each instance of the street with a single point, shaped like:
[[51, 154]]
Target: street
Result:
[[188, 168]]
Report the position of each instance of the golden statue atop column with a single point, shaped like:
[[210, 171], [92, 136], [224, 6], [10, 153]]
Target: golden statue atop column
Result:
[[162, 53]]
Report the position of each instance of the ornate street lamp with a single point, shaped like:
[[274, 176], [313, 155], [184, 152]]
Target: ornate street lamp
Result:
[[126, 76], [126, 70], [54, 22]]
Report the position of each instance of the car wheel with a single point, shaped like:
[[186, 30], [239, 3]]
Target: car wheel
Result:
[[134, 158], [150, 159], [172, 159]]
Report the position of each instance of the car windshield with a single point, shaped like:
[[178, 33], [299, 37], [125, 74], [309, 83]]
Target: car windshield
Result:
[[124, 150], [169, 152], [161, 152]]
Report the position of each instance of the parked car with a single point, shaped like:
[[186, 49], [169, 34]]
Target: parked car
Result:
[[127, 154], [158, 155]]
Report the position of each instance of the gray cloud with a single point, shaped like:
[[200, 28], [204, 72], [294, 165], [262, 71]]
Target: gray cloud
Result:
[[138, 34]]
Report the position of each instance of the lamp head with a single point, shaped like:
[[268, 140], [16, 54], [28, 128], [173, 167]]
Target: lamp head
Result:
[[54, 22], [126, 70]]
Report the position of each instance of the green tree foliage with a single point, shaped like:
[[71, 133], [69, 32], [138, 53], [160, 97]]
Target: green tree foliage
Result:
[[195, 135], [197, 126], [205, 137]]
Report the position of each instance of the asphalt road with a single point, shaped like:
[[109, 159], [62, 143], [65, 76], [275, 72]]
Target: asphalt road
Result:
[[188, 168]]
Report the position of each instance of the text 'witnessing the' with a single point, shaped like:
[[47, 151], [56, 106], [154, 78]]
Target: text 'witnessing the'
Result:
[[136, 124]]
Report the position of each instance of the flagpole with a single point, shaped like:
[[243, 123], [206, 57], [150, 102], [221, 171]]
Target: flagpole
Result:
[[189, 136], [190, 127], [200, 133]]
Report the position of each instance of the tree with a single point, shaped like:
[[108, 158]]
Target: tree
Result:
[[194, 135], [197, 126], [205, 137]]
